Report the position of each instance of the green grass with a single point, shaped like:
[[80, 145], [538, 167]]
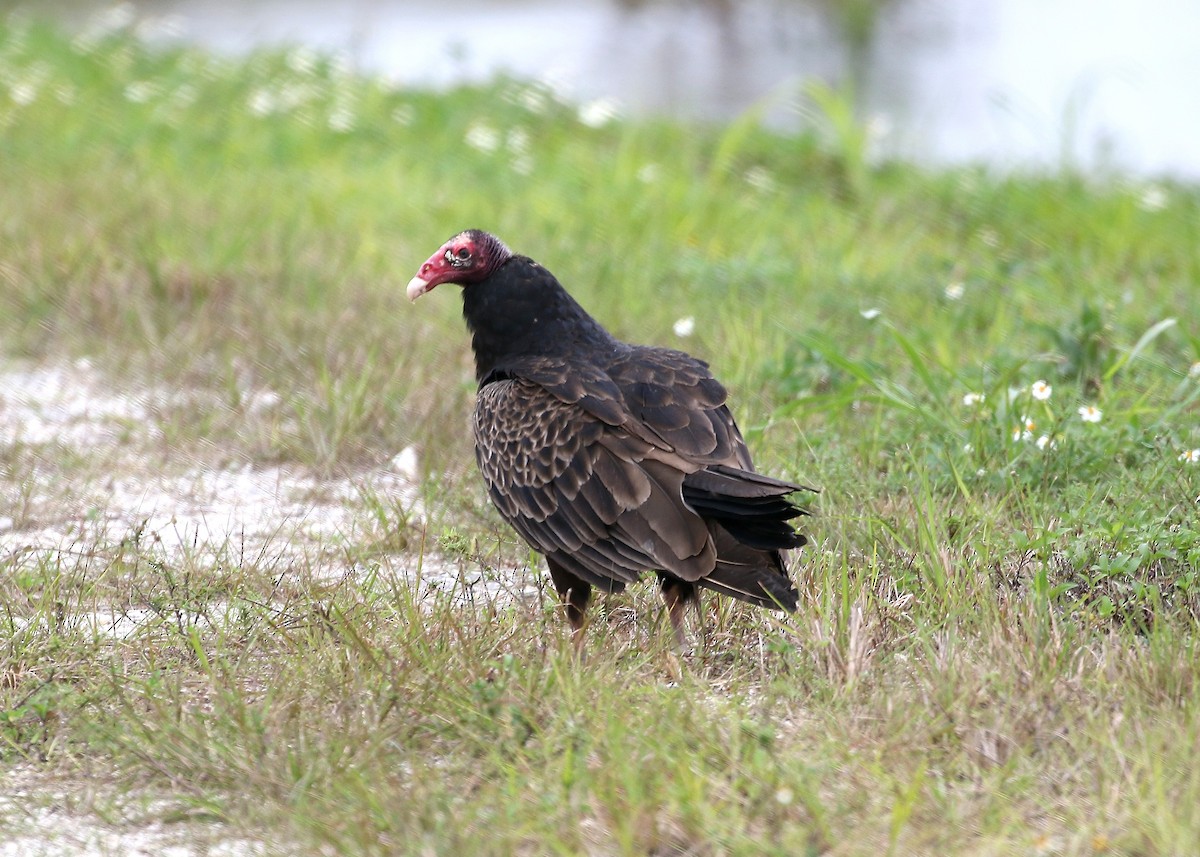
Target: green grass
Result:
[[997, 648]]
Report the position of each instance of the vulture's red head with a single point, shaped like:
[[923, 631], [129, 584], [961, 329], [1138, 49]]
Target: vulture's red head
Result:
[[466, 258]]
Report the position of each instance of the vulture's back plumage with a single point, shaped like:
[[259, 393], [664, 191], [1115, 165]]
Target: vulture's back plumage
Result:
[[608, 458]]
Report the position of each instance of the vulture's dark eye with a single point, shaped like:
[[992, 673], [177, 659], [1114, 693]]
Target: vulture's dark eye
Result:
[[464, 254]]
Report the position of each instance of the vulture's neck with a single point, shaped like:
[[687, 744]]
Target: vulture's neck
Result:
[[522, 311]]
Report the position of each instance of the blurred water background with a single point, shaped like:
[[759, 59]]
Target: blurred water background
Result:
[[1093, 85]]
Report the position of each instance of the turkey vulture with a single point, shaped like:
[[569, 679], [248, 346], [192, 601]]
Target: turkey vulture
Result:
[[610, 459]]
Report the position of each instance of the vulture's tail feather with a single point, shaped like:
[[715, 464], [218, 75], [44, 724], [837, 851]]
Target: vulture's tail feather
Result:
[[755, 509]]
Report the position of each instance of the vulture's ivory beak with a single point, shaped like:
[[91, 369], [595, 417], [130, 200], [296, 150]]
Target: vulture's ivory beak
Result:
[[416, 288]]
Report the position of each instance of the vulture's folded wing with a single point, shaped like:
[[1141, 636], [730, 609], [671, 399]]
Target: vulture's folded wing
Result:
[[605, 502]]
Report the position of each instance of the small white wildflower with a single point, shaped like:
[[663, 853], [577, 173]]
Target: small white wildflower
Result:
[[23, 93], [981, 472], [972, 400], [1046, 442], [341, 119], [598, 113], [261, 102], [649, 173], [404, 114], [968, 448], [533, 99], [989, 236], [1024, 431], [1153, 198], [485, 138], [760, 178], [954, 291], [139, 92], [1040, 390], [517, 141], [871, 313], [1190, 456], [292, 95], [684, 326], [784, 796], [1194, 370], [302, 60], [1090, 414]]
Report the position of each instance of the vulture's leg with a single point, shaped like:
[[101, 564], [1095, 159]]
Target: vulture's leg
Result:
[[575, 594], [677, 595]]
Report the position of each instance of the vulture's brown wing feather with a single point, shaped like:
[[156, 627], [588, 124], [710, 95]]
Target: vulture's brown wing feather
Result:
[[589, 490], [674, 396]]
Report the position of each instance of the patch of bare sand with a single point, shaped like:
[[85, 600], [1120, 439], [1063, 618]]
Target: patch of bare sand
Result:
[[59, 819], [85, 483]]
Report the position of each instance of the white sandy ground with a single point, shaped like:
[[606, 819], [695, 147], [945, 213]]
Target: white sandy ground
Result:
[[61, 823], [90, 491], [260, 514]]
